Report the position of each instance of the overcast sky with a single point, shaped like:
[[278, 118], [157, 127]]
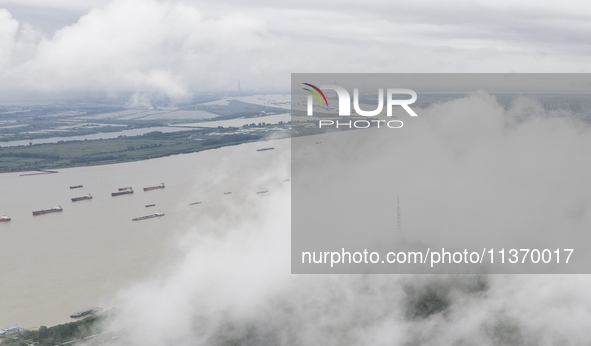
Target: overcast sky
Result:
[[178, 48]]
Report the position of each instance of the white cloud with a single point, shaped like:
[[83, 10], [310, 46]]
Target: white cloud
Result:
[[143, 45], [8, 29], [474, 166], [180, 47]]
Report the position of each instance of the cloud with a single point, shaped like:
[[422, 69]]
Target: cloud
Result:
[[232, 284], [177, 48], [8, 29], [169, 48]]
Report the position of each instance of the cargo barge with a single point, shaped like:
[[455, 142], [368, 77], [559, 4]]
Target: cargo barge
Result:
[[262, 192], [85, 312], [122, 192], [148, 216], [76, 199], [265, 149], [5, 218], [76, 187], [125, 188], [47, 211], [150, 188], [40, 172], [150, 205]]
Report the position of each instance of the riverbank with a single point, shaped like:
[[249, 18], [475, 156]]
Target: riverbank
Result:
[[122, 149]]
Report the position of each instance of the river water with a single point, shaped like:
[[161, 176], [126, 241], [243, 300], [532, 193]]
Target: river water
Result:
[[56, 264]]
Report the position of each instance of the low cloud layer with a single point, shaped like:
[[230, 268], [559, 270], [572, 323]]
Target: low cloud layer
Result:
[[178, 48], [232, 285]]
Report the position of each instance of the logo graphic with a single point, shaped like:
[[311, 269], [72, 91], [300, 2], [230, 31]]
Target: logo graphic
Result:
[[345, 100], [320, 91]]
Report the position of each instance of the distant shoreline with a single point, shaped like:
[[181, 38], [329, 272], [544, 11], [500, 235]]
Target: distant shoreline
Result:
[[69, 154]]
